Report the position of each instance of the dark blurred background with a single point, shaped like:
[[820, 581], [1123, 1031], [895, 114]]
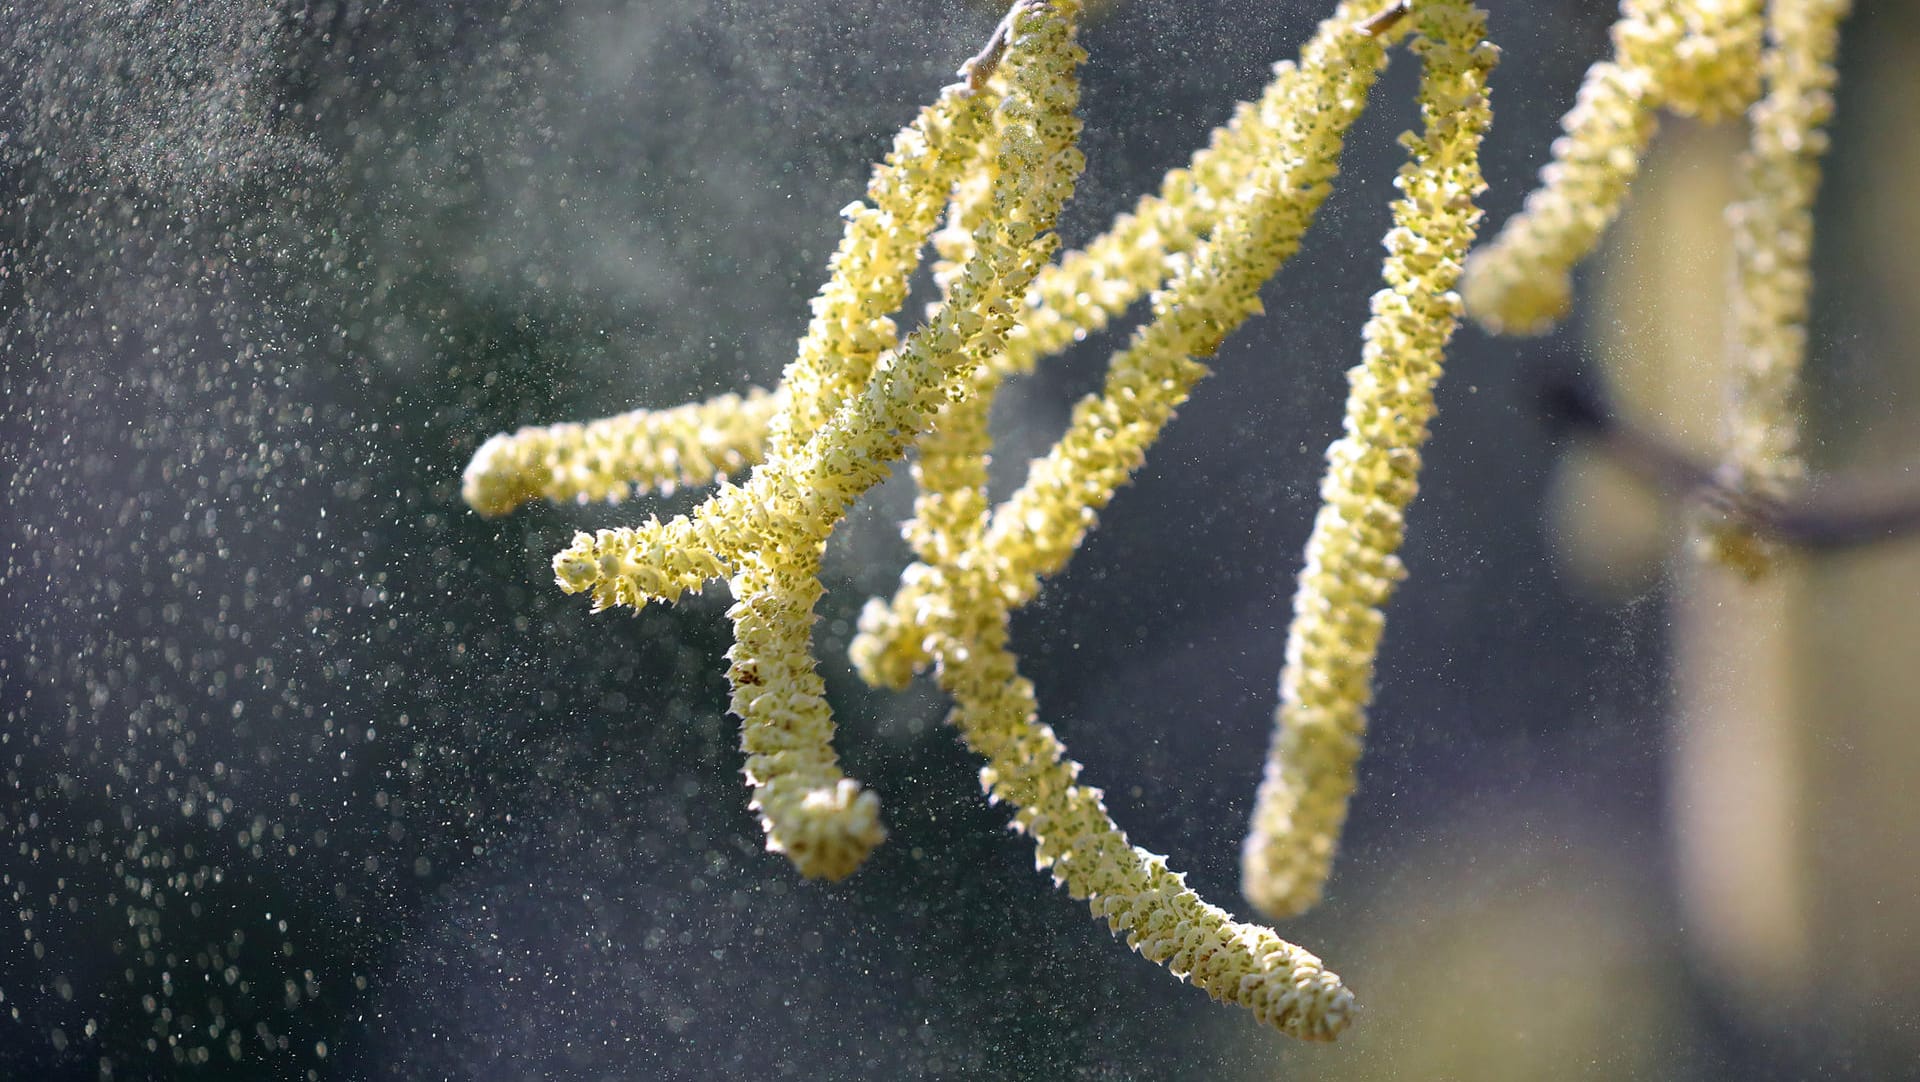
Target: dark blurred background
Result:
[[309, 772]]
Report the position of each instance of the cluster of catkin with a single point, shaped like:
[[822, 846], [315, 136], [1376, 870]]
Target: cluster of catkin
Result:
[[981, 174], [1772, 63]]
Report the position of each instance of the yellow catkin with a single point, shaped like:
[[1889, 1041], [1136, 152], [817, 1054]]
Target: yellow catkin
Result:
[[695, 444], [1351, 562], [1692, 56], [823, 821], [767, 534], [1772, 234], [1281, 185], [1076, 839]]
